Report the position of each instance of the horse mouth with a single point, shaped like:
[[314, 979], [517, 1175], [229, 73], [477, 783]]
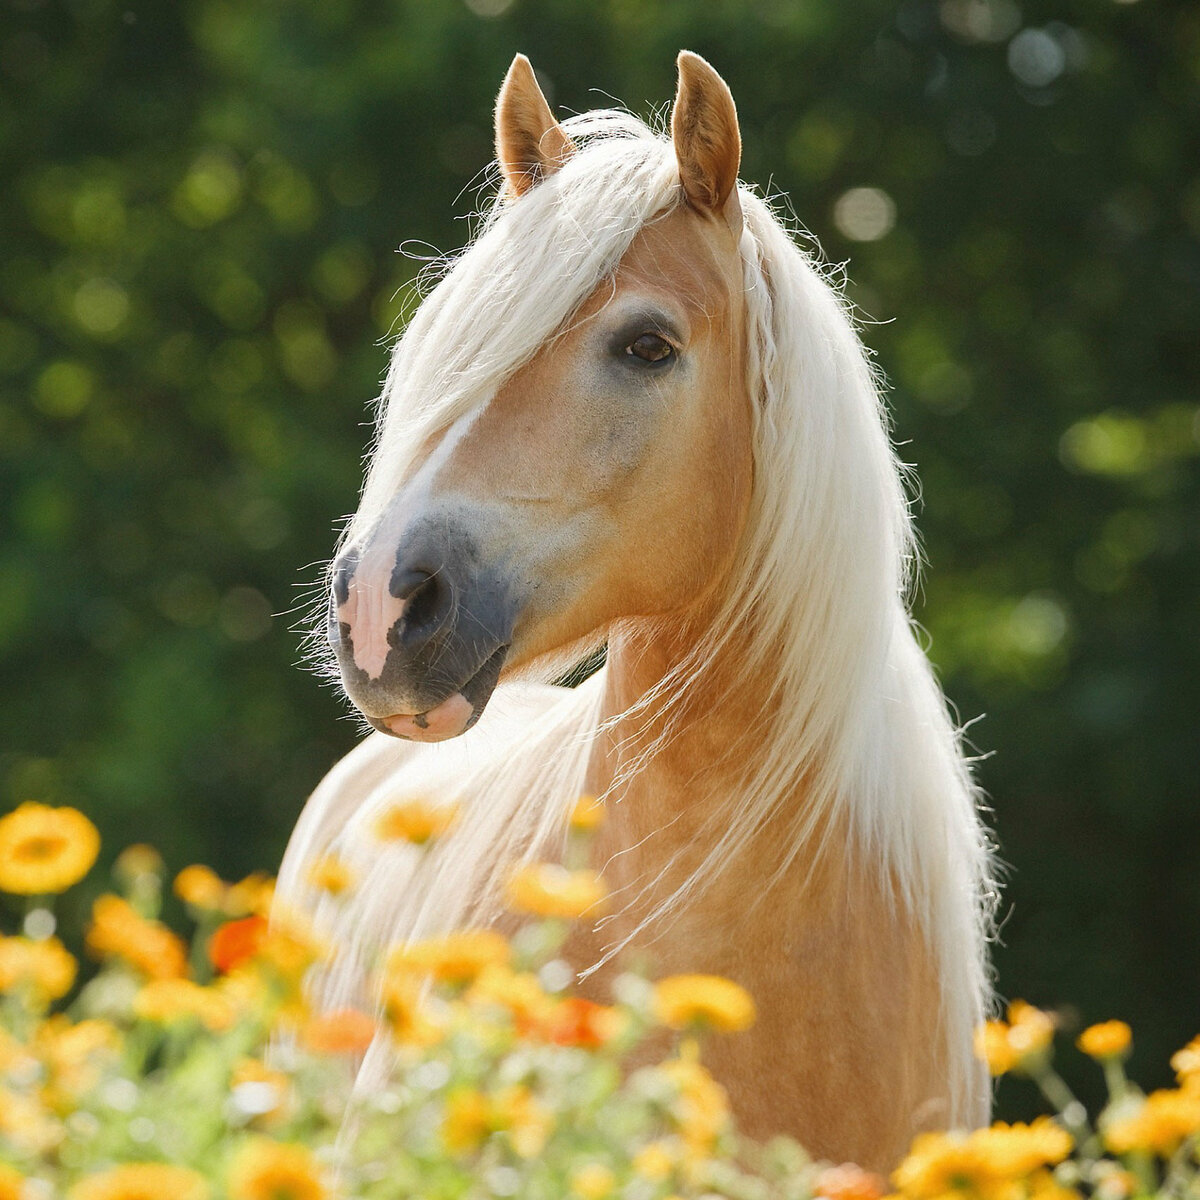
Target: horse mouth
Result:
[[453, 715]]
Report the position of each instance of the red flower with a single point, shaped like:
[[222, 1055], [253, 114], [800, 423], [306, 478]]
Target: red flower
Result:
[[237, 942], [579, 1022]]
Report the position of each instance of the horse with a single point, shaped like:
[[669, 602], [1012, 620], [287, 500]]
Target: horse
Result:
[[635, 416]]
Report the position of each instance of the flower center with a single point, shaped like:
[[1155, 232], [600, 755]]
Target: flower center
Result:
[[38, 849]]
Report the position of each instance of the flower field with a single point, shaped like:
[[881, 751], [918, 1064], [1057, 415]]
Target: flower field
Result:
[[189, 1068]]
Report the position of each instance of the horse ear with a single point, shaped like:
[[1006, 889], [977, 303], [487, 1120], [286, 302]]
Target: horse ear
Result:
[[530, 143], [708, 147]]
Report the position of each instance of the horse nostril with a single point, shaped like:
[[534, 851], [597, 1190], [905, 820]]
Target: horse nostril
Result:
[[427, 602]]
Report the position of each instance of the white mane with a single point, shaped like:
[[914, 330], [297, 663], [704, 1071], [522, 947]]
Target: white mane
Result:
[[820, 600]]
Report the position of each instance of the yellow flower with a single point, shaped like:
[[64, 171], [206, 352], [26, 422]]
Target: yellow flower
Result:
[[266, 1170], [588, 814], [654, 1161], [521, 993], [201, 887], [471, 1117], [27, 1124], [515, 1111], [415, 820], [987, 1163], [1157, 1124], [12, 1183], [46, 968], [44, 849], [943, 1165], [993, 1047], [331, 874], [251, 895], [593, 1182], [467, 1122], [550, 890], [1015, 1151], [168, 1001], [1043, 1186], [142, 1181], [1109, 1039], [135, 861], [1031, 1030], [73, 1054], [406, 1011], [1186, 1063], [456, 957], [680, 1000], [118, 930], [702, 1108], [1011, 1045]]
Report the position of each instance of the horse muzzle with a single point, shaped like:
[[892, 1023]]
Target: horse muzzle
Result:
[[421, 627]]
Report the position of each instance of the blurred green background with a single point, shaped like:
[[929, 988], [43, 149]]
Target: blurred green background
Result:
[[199, 212]]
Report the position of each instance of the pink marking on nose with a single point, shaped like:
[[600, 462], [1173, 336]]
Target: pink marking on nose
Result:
[[445, 720], [370, 611]]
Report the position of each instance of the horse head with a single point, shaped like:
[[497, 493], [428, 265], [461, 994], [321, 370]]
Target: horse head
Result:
[[601, 467]]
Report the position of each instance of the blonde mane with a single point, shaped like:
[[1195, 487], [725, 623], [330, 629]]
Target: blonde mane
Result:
[[818, 611]]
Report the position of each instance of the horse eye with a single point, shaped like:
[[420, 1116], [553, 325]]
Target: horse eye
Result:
[[650, 348]]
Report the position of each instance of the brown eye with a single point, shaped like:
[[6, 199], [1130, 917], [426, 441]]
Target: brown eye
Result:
[[650, 348]]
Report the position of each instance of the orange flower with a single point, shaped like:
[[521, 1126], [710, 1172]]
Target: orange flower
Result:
[[251, 895], [45, 850], [415, 820], [12, 1183], [1110, 1039], [456, 957], [237, 942], [331, 874], [343, 1031], [588, 814], [849, 1182], [712, 1000], [266, 1170], [1022, 1039], [118, 930], [1158, 1124], [579, 1022], [168, 1001], [201, 887], [46, 969], [1186, 1063], [550, 890], [142, 1181]]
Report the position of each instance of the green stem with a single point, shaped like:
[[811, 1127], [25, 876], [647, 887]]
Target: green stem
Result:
[[1054, 1088], [1176, 1178]]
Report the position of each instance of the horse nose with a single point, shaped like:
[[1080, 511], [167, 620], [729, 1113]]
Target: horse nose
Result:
[[374, 608]]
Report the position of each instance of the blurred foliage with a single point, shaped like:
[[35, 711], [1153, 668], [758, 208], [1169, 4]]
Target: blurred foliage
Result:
[[199, 209]]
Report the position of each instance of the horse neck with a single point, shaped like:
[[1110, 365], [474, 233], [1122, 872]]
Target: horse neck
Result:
[[677, 768]]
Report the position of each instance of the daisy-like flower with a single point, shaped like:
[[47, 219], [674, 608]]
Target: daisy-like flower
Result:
[[550, 890], [118, 930], [1109, 1039], [46, 969], [343, 1031], [142, 1181], [266, 1170], [414, 820], [682, 1000], [457, 957], [45, 850]]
